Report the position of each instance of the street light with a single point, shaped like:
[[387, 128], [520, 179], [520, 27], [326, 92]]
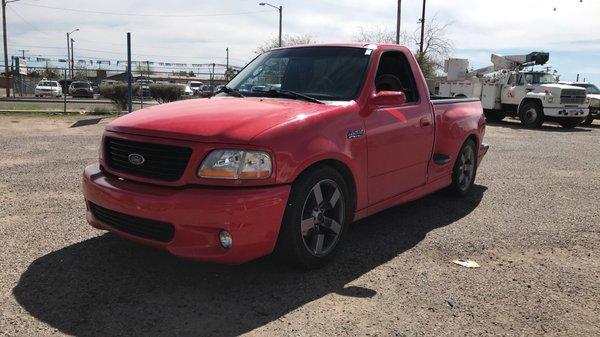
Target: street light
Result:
[[69, 55], [280, 9]]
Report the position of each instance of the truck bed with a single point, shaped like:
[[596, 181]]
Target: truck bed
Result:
[[436, 100]]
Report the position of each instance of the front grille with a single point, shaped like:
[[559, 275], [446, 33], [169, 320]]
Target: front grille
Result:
[[572, 96], [162, 162], [144, 228]]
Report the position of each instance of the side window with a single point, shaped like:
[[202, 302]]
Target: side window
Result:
[[394, 74], [512, 79]]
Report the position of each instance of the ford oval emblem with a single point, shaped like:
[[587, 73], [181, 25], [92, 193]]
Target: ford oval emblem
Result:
[[136, 159]]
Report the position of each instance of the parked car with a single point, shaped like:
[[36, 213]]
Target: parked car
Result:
[[195, 86], [144, 87], [48, 88], [64, 85], [206, 91], [110, 82], [187, 91], [95, 88], [351, 131], [81, 89], [593, 94]]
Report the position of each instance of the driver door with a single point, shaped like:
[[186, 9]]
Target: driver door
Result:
[[399, 137]]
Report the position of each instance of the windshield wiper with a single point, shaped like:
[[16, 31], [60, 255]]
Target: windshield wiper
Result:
[[230, 91], [294, 94]]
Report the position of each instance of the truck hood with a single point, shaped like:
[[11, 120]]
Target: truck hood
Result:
[[558, 86], [228, 120], [594, 100]]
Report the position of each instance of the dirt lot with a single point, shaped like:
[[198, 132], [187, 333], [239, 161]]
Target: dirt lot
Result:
[[532, 223]]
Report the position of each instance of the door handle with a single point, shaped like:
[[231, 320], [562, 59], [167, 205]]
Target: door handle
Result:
[[425, 121]]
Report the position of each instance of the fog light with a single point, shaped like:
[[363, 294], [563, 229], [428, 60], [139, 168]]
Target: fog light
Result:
[[226, 239]]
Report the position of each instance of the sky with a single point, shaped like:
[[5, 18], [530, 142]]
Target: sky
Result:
[[194, 31]]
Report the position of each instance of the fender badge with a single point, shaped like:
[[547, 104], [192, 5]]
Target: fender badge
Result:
[[352, 134]]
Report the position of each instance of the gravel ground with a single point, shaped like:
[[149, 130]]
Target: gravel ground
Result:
[[532, 223]]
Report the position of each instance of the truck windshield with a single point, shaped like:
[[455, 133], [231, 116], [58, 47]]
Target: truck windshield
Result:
[[539, 78], [326, 73]]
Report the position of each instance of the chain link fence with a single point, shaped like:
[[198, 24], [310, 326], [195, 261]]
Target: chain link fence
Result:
[[79, 90]]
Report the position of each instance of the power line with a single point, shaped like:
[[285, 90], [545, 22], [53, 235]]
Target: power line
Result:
[[27, 22], [138, 14]]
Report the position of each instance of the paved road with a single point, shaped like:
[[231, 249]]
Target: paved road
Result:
[[532, 223]]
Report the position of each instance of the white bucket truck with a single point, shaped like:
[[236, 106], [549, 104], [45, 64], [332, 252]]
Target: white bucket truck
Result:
[[505, 89]]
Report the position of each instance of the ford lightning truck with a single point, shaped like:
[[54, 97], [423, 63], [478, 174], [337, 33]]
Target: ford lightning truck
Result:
[[303, 141]]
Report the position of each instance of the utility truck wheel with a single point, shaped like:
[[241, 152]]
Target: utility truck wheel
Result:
[[588, 120], [315, 218], [531, 115], [494, 115], [465, 168], [570, 123]]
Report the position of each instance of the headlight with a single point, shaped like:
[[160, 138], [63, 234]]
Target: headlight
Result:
[[236, 164]]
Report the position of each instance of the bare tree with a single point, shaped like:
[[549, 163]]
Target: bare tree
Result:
[[436, 46], [286, 41], [379, 35]]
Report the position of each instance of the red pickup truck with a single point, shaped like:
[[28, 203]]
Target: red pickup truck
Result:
[[303, 141]]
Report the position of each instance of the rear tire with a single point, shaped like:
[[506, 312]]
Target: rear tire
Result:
[[531, 115], [315, 218], [464, 170]]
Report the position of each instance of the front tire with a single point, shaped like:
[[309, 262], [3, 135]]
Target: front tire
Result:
[[588, 120], [315, 218], [464, 170], [531, 115]]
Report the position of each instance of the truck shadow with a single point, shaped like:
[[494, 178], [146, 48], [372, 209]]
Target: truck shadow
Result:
[[107, 286], [547, 127]]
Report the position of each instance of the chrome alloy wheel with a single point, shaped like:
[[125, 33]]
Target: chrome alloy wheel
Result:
[[466, 168], [322, 217]]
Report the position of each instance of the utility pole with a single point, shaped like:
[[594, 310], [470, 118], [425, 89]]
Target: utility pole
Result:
[[6, 67], [398, 21], [129, 88], [227, 65], [23, 51], [68, 54], [69, 51], [280, 23], [72, 58], [422, 31], [577, 78]]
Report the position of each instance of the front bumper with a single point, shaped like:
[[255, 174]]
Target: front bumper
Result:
[[566, 112], [47, 93], [252, 215]]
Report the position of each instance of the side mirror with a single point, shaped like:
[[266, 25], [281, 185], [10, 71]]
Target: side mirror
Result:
[[388, 98]]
